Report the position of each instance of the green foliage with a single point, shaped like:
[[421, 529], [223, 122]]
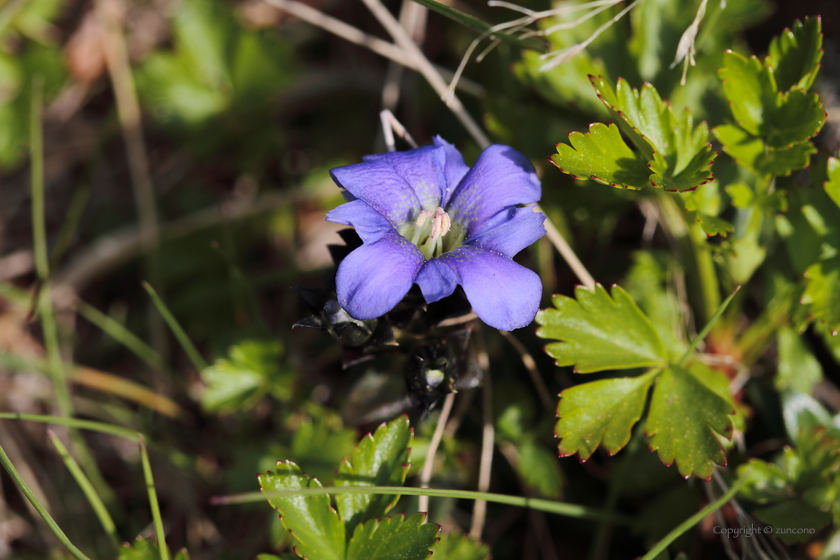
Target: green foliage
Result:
[[316, 528], [146, 549], [393, 538], [673, 154], [775, 114], [380, 459], [252, 370], [600, 332], [685, 418], [795, 55], [600, 412], [690, 408], [799, 370], [540, 469], [456, 546]]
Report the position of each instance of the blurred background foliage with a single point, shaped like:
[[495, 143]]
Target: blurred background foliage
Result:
[[244, 110]]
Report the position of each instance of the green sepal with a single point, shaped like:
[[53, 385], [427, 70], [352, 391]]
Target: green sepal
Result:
[[794, 56], [602, 155], [600, 412], [317, 531], [686, 415], [599, 332], [380, 459], [393, 538]]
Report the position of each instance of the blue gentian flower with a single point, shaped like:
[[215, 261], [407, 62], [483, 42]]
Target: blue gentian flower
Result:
[[427, 218]]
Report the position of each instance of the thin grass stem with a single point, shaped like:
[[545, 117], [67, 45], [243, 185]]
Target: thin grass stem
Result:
[[185, 342], [707, 329], [87, 488], [121, 334], [548, 506], [693, 520], [153, 501], [73, 423], [24, 488]]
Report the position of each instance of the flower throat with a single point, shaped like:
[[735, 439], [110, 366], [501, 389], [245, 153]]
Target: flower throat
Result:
[[433, 233]]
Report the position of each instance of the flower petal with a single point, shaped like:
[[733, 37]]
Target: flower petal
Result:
[[436, 280], [369, 224], [375, 277], [501, 177], [422, 169], [378, 184], [454, 169], [509, 231], [503, 294]]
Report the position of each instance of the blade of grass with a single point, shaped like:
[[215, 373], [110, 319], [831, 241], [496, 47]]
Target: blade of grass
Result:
[[24, 488], [707, 329], [693, 520], [39, 241], [548, 506], [72, 217], [192, 352], [88, 490], [153, 501], [73, 423], [481, 26], [121, 334]]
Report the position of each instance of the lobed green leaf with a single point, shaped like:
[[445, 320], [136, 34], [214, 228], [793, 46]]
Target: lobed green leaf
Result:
[[751, 152], [394, 538], [822, 292], [795, 55], [455, 546], [599, 332], [686, 414], [601, 155], [378, 460], [600, 411], [315, 526]]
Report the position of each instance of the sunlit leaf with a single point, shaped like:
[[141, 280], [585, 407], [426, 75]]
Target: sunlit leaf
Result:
[[686, 417], [712, 225], [832, 185], [823, 292], [751, 152], [380, 459], [795, 55], [599, 332], [677, 153], [393, 538], [316, 528], [601, 155], [600, 412]]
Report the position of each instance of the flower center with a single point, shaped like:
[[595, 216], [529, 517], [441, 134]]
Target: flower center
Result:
[[428, 231]]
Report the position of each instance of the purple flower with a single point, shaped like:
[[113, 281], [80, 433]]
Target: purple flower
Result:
[[427, 218]]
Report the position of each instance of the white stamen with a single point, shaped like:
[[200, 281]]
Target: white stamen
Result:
[[441, 225], [423, 216]]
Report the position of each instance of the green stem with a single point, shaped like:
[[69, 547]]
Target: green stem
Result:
[[153, 501], [88, 490], [548, 506], [707, 329], [24, 488], [693, 520], [192, 352]]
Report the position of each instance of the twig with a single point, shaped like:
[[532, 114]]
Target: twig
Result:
[[531, 366], [426, 68], [357, 37], [128, 108], [413, 18], [487, 441], [566, 252], [390, 125], [428, 466]]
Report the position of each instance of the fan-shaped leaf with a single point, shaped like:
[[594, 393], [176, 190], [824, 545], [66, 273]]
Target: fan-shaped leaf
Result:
[[394, 538]]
